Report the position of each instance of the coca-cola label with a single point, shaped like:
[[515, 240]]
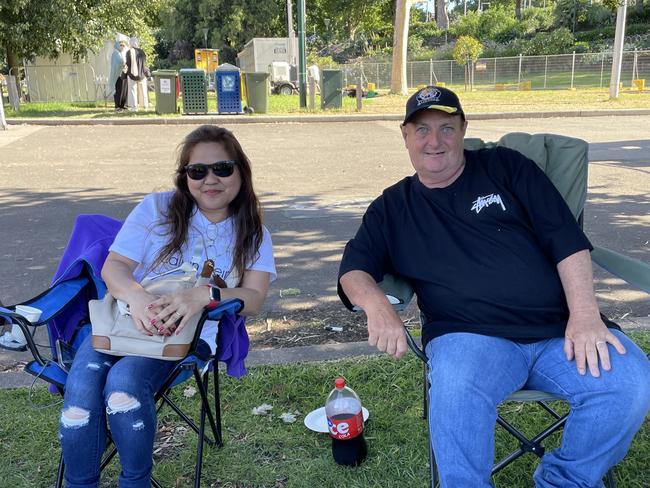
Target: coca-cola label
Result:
[[345, 426]]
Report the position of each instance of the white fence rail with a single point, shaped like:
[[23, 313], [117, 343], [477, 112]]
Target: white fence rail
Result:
[[560, 71]]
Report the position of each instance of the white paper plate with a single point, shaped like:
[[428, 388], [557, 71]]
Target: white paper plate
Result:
[[316, 420]]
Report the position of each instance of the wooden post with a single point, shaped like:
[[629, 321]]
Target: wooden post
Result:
[[359, 91]]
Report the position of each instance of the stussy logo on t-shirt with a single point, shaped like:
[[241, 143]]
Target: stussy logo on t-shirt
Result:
[[485, 201]]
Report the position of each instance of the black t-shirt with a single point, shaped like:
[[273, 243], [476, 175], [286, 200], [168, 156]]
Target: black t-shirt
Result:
[[481, 254]]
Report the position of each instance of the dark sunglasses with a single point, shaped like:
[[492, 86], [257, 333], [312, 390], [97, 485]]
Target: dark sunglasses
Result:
[[222, 169]]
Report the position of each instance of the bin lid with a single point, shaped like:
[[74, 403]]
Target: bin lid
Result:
[[227, 67], [256, 75], [191, 70], [164, 72]]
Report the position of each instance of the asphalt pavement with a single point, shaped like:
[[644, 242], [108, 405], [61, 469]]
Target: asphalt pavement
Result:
[[315, 178]]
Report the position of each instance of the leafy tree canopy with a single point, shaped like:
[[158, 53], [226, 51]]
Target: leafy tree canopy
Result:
[[30, 28]]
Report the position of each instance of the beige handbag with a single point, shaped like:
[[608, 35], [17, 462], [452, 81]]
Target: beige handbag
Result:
[[114, 331]]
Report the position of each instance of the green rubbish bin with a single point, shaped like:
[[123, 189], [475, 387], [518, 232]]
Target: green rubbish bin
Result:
[[332, 89], [194, 86], [257, 91], [166, 96]]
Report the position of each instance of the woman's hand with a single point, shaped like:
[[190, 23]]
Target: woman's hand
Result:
[[173, 311], [143, 313]]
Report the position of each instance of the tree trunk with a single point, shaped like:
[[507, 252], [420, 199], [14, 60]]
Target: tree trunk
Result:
[[518, 9], [14, 62], [398, 82], [442, 18]]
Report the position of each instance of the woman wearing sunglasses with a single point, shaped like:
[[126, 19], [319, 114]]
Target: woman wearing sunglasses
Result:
[[212, 214]]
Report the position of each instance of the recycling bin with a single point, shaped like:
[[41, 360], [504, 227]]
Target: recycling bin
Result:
[[165, 85], [227, 80], [194, 87], [257, 91], [332, 89]]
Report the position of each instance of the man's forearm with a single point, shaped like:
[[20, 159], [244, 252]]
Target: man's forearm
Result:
[[577, 281], [362, 290]]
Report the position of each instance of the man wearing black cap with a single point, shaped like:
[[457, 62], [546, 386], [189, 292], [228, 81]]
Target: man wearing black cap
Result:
[[503, 278]]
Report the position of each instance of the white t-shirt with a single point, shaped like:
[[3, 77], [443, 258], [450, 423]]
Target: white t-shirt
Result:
[[144, 234]]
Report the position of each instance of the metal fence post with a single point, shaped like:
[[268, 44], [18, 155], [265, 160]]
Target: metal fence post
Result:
[[451, 72], [573, 67], [521, 57], [495, 71], [602, 68], [377, 77], [545, 69], [430, 72]]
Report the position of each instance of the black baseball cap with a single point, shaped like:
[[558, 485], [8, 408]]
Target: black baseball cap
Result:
[[434, 97]]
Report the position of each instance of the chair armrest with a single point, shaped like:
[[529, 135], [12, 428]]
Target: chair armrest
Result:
[[398, 292], [633, 271], [230, 305]]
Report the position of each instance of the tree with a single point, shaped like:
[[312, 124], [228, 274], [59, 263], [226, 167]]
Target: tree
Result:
[[349, 17], [398, 82], [442, 18], [466, 52], [230, 23], [30, 28]]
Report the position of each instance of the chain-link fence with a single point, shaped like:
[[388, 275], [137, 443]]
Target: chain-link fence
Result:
[[559, 71]]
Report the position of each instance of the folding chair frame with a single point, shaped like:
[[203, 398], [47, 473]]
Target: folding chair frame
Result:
[[532, 445], [192, 365]]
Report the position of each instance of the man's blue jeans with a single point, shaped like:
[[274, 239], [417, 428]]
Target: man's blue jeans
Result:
[[471, 374], [102, 387]]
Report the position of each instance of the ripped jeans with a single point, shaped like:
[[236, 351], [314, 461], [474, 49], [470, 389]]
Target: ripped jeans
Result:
[[120, 390]]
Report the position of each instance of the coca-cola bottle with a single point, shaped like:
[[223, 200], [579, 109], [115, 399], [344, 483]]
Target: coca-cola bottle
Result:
[[345, 424]]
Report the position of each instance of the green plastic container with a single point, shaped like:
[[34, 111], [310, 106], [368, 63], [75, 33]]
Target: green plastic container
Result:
[[257, 91], [332, 89], [194, 87], [165, 83]]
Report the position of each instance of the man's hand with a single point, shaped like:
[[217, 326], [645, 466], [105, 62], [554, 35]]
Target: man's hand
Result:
[[386, 332], [385, 328], [586, 340]]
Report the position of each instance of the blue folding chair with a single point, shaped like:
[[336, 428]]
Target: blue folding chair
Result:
[[65, 315]]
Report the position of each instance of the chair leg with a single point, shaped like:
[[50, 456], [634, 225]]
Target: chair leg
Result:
[[59, 474], [425, 392], [217, 404]]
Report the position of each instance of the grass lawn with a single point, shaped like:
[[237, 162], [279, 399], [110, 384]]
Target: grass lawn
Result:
[[265, 452], [478, 101]]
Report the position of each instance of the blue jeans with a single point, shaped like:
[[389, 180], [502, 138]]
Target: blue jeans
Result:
[[471, 374], [120, 390]]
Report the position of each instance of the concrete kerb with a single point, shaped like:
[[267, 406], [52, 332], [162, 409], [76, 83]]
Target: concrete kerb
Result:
[[301, 354], [270, 119]]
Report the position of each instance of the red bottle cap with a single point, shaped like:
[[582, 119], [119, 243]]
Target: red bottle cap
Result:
[[339, 382]]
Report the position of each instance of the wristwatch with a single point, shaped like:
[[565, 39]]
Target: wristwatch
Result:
[[215, 296]]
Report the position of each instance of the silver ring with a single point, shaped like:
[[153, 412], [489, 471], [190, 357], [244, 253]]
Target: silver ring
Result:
[[179, 316], [600, 342]]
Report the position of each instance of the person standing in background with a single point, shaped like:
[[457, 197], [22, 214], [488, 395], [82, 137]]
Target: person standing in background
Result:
[[137, 72], [117, 79]]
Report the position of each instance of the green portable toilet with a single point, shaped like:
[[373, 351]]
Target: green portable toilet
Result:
[[257, 91], [165, 84], [194, 87], [332, 89]]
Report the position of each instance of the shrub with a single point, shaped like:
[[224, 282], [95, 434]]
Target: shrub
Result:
[[556, 42], [542, 18]]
